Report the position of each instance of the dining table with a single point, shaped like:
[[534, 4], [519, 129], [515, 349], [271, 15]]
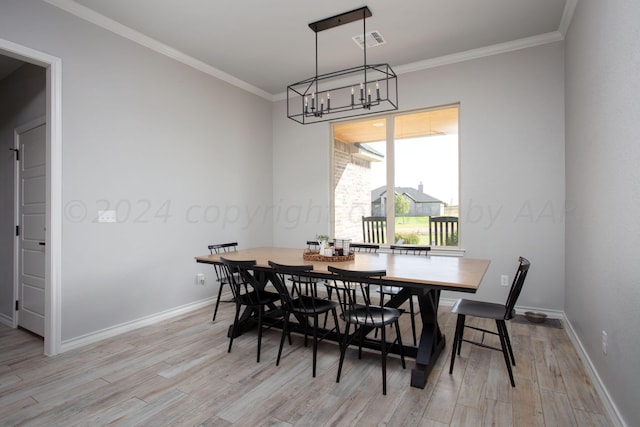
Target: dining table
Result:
[[423, 276]]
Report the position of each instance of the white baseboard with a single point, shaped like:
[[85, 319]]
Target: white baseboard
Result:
[[447, 302], [612, 410], [94, 337], [551, 314], [607, 401], [6, 320], [130, 326]]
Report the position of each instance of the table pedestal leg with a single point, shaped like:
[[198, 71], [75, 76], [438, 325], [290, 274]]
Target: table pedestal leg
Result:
[[432, 341]]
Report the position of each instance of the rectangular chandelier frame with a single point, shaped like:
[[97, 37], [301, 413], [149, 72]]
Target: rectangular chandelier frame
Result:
[[357, 91]]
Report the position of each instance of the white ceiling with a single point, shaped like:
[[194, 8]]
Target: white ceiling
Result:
[[263, 46]]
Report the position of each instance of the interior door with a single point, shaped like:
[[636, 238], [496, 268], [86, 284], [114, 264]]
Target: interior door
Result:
[[31, 142]]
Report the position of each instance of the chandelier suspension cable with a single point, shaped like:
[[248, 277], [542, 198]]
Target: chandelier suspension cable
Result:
[[364, 42], [316, 62]]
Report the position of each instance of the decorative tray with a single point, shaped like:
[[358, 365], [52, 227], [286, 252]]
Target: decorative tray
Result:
[[311, 255]]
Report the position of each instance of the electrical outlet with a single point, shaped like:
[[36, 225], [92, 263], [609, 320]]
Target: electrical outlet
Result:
[[107, 216], [604, 342], [504, 280], [199, 279]]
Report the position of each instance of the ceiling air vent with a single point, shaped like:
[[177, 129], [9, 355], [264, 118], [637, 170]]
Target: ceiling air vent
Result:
[[372, 38]]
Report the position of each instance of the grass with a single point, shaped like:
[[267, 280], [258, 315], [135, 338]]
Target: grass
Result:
[[414, 230]]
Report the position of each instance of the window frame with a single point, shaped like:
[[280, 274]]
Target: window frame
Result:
[[390, 121]]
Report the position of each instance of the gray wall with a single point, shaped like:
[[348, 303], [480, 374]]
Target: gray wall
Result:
[[142, 131], [170, 148], [603, 153], [512, 166], [22, 99]]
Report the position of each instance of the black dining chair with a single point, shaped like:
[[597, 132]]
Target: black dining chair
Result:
[[220, 276], [410, 249], [363, 315], [358, 247], [370, 248], [311, 283], [488, 310], [247, 292], [394, 290], [365, 247], [302, 306]]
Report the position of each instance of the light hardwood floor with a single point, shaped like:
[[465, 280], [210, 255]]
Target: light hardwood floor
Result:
[[178, 372]]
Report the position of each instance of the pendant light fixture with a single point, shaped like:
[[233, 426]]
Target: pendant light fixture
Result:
[[357, 91]]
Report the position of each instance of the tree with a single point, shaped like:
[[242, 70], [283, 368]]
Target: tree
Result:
[[402, 204]]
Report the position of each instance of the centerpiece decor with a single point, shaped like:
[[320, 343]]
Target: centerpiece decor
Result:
[[338, 250]]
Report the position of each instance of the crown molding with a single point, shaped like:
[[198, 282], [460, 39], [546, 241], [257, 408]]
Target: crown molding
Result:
[[480, 52], [468, 55], [137, 37], [567, 16]]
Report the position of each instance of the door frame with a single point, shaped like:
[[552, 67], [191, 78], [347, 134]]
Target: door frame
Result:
[[53, 217]]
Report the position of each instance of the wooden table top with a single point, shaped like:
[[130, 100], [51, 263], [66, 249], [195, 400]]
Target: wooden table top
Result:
[[449, 273]]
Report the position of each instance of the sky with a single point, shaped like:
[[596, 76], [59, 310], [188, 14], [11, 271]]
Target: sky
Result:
[[431, 160]]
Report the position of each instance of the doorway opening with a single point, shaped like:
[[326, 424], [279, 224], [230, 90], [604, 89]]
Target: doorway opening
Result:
[[53, 196]]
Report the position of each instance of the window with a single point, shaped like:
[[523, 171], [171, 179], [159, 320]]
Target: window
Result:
[[400, 168]]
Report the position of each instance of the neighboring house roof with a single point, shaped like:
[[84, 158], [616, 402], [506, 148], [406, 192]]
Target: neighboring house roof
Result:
[[416, 195]]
